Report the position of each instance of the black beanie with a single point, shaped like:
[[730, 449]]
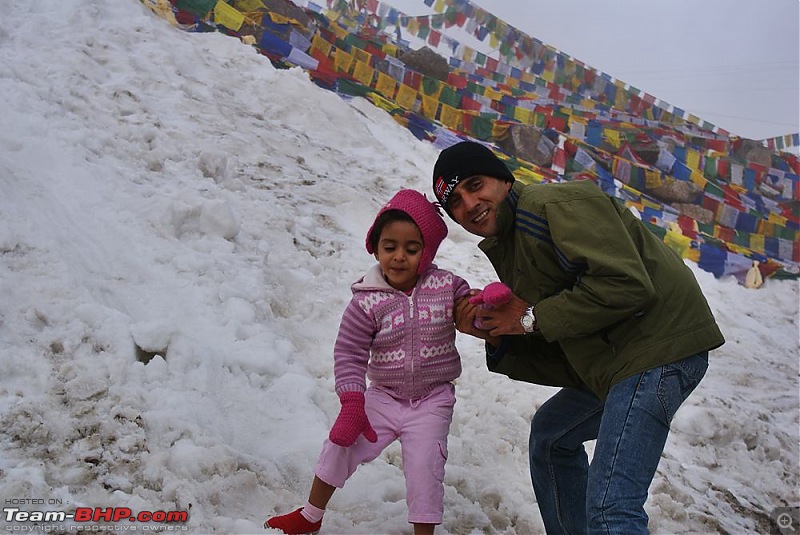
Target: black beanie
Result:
[[461, 161]]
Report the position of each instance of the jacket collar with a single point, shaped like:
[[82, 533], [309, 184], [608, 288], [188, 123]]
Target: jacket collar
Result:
[[507, 211], [374, 280], [506, 214]]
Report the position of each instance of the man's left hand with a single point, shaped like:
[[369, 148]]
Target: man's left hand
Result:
[[504, 319]]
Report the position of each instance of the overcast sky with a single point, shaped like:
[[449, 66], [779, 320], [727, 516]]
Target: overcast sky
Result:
[[733, 63]]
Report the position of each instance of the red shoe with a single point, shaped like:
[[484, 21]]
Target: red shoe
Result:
[[293, 524]]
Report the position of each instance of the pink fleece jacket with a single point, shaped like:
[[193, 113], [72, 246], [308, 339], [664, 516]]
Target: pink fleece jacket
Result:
[[405, 344]]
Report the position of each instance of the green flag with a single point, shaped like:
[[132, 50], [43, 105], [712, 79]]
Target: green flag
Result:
[[198, 8]]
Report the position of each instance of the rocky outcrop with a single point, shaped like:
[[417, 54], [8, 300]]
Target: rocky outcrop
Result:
[[527, 143], [427, 62], [674, 190], [287, 9], [752, 151], [696, 212]]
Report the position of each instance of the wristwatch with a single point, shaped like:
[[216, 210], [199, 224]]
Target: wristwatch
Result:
[[528, 320]]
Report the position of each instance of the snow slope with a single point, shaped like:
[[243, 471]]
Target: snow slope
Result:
[[171, 193]]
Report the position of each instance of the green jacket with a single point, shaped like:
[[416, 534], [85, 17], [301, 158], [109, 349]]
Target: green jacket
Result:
[[611, 300]]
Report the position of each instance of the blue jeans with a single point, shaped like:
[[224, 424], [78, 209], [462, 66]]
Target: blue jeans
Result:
[[630, 427]]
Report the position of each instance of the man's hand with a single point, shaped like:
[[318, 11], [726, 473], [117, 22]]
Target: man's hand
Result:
[[503, 319]]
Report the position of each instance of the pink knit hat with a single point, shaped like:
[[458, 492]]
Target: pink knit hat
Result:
[[426, 216]]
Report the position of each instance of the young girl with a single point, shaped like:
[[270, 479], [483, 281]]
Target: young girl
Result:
[[398, 330]]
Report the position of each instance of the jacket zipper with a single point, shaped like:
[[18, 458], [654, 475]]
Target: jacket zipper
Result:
[[413, 334]]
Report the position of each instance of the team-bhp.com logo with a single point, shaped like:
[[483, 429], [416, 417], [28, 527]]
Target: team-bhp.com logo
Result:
[[86, 518]]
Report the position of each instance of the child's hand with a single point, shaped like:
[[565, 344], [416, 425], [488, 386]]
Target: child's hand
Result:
[[352, 421], [465, 316]]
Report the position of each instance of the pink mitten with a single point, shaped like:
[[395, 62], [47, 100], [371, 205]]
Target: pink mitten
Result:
[[352, 421], [494, 294]]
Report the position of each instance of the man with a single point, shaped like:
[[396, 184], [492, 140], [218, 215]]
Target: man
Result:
[[602, 308]]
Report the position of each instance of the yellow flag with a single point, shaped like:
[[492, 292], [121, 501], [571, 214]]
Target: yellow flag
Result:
[[390, 49], [319, 43], [621, 100], [757, 242], [280, 19], [698, 178], [342, 60], [523, 115], [737, 248], [678, 243], [163, 9], [338, 30], [451, 117], [500, 129], [635, 204], [406, 97], [647, 203], [693, 159], [380, 102], [331, 15], [527, 176], [430, 106], [361, 55], [652, 178], [777, 219], [469, 54], [439, 6], [385, 85], [528, 77], [613, 137], [492, 94], [501, 28], [363, 73], [228, 16]]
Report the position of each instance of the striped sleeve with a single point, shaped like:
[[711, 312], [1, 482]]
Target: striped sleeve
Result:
[[460, 288], [351, 350]]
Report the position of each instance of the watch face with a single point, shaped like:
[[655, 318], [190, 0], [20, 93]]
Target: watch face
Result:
[[527, 321]]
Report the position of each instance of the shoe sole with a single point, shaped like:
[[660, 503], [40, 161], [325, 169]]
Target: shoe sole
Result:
[[309, 533]]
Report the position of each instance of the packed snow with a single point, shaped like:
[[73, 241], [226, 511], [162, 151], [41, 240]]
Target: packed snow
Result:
[[180, 223]]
